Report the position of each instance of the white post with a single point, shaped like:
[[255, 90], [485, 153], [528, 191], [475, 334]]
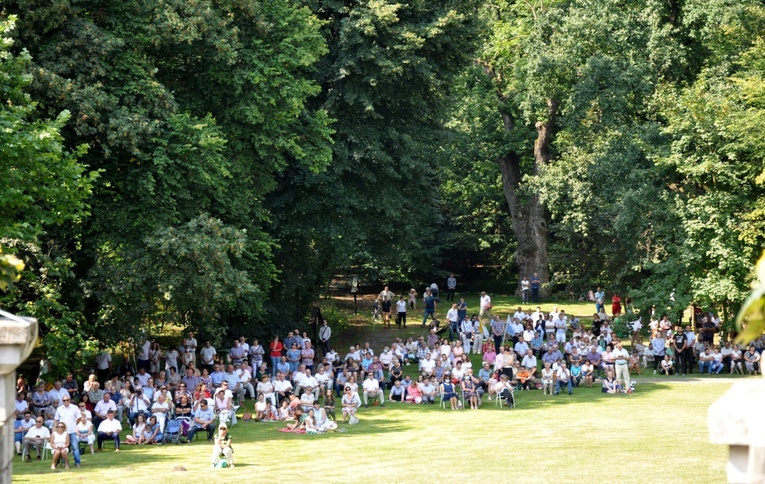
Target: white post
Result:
[[738, 421], [17, 338]]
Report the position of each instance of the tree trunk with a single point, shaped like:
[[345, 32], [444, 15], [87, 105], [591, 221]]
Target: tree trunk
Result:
[[528, 215]]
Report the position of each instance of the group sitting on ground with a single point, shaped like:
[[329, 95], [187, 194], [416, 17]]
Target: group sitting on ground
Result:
[[174, 398]]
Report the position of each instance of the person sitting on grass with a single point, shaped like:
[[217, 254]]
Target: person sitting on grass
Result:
[[139, 429], [222, 446], [153, 432], [667, 366], [59, 443], [611, 384], [350, 402], [260, 408], [414, 392]]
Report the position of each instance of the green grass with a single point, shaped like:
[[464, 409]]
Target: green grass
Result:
[[626, 438]]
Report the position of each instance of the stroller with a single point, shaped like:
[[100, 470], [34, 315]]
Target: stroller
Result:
[[172, 432]]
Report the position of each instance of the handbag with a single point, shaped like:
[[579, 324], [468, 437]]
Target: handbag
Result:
[[353, 420]]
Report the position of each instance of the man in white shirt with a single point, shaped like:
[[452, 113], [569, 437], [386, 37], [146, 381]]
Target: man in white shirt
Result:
[[207, 354], [160, 409], [621, 364], [103, 366], [525, 290], [245, 379], [282, 387], [485, 305], [427, 364], [138, 404], [372, 389], [143, 354], [57, 392], [190, 344], [519, 314], [563, 378], [102, 408], [561, 324], [520, 348], [109, 429], [245, 347], [309, 381], [400, 312], [36, 437], [68, 414], [530, 362], [466, 332], [325, 332]]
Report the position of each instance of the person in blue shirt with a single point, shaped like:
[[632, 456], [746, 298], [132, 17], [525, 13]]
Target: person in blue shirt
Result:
[[430, 307], [204, 420], [217, 376], [576, 373]]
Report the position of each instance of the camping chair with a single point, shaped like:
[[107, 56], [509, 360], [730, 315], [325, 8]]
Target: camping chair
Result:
[[172, 432]]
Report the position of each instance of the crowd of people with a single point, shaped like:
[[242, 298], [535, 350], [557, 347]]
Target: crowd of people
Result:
[[175, 395]]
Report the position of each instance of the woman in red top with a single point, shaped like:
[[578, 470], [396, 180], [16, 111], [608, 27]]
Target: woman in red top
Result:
[[616, 305], [276, 348]]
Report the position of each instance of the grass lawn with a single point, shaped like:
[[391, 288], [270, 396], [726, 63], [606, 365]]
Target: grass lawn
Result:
[[587, 436]]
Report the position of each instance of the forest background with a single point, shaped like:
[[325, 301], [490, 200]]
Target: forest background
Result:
[[214, 164]]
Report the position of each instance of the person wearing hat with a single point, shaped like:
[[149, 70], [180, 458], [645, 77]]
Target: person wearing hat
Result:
[[222, 446]]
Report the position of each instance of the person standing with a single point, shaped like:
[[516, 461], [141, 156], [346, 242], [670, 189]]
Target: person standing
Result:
[[68, 415], [143, 355], [386, 295], [600, 297], [325, 332], [103, 366], [525, 290], [680, 346], [401, 311], [535, 284], [207, 353], [451, 285], [497, 332], [485, 305], [430, 307], [621, 363], [275, 351]]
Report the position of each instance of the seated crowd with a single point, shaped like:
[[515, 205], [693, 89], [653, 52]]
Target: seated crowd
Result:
[[201, 392]]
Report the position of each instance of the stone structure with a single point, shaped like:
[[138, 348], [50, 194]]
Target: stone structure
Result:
[[17, 338], [738, 421]]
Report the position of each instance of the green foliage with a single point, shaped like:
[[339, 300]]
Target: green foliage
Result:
[[151, 287]]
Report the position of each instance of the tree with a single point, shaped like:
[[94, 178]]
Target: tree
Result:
[[189, 109], [43, 187]]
